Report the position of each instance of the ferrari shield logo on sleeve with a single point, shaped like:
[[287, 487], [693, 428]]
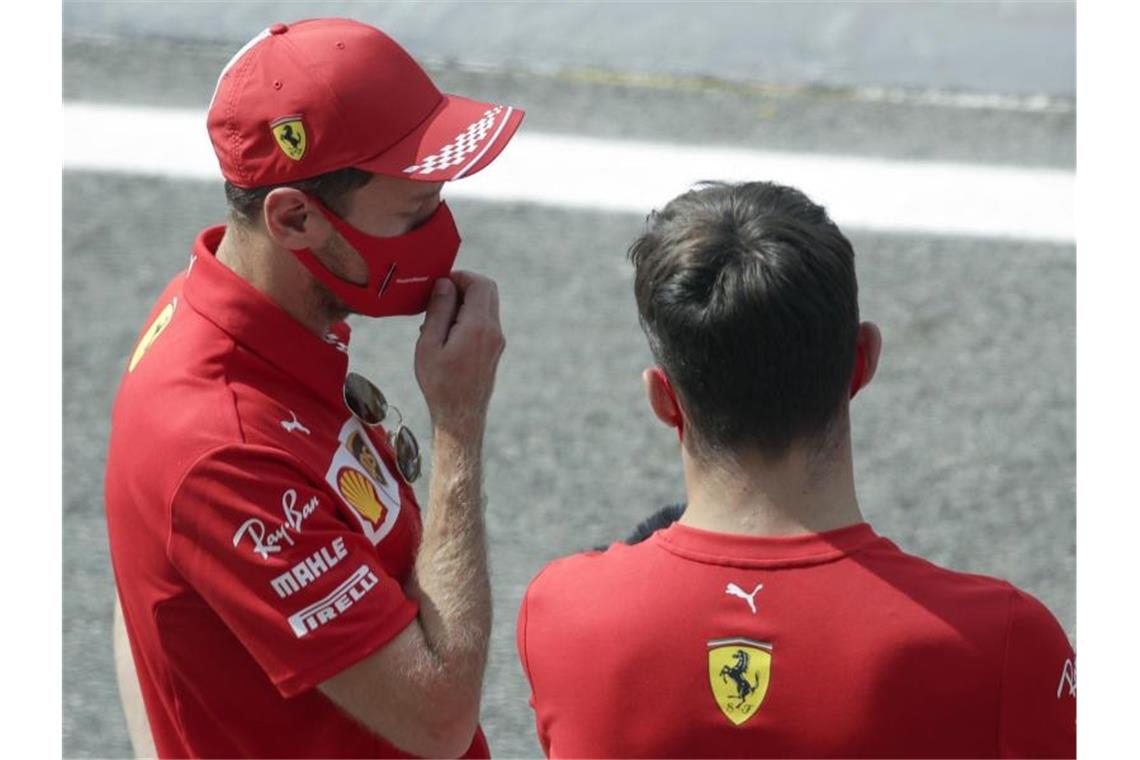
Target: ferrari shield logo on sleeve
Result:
[[364, 483], [365, 456], [289, 133], [739, 671], [151, 335]]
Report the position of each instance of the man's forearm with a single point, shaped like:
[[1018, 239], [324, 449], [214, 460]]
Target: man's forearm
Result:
[[451, 581], [421, 690]]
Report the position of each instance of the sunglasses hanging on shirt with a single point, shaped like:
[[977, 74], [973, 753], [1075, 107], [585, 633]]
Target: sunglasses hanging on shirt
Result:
[[368, 405]]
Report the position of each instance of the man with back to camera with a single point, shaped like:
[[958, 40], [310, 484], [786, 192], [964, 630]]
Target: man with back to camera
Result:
[[281, 594], [771, 620]]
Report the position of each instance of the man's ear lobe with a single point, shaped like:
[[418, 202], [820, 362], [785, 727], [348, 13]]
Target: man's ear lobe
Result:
[[868, 347], [662, 398]]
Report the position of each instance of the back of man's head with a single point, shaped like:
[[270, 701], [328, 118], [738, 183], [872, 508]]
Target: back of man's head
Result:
[[747, 294]]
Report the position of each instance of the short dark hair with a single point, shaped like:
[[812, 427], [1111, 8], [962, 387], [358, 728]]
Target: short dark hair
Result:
[[662, 518], [748, 297], [332, 189]]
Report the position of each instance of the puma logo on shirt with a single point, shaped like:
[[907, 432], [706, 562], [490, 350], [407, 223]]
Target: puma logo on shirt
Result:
[[733, 590], [294, 424]]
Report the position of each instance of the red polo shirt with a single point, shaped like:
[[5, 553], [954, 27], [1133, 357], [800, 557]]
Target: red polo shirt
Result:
[[259, 534], [838, 644]]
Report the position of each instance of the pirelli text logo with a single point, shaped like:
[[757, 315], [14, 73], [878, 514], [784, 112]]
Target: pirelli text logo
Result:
[[309, 569], [335, 604]]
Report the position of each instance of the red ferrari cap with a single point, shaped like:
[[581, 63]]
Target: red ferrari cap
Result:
[[324, 94]]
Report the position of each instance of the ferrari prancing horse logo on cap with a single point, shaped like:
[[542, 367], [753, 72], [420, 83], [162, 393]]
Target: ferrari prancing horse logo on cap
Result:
[[289, 132], [739, 671]]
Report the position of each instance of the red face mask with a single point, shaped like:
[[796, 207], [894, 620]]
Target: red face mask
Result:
[[401, 270]]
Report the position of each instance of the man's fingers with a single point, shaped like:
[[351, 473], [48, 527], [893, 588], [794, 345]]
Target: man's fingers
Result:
[[479, 294], [463, 278], [440, 312], [495, 302]]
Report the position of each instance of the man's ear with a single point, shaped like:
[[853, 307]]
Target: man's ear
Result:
[[662, 399], [293, 221], [869, 346]]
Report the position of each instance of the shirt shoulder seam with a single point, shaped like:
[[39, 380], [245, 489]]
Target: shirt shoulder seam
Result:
[[524, 613], [1001, 676], [229, 390], [213, 450], [241, 441]]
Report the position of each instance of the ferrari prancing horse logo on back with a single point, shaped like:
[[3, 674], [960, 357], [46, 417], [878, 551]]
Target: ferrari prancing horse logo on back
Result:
[[289, 132], [739, 671]]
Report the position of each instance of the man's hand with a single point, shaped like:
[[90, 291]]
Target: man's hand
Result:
[[458, 353]]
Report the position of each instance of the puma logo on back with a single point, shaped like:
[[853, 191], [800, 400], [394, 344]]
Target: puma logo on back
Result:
[[733, 590]]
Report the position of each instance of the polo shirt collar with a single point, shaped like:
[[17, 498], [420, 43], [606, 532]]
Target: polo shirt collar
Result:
[[254, 321], [765, 551]]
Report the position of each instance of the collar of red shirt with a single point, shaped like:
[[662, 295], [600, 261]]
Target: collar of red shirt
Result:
[[250, 318], [765, 551]]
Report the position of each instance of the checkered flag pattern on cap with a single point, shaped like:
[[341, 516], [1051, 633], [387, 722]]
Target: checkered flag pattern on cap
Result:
[[457, 151]]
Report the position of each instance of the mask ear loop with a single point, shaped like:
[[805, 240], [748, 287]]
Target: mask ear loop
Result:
[[358, 241], [677, 420]]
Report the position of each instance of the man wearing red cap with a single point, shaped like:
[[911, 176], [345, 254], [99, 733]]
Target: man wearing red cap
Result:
[[771, 620], [281, 595]]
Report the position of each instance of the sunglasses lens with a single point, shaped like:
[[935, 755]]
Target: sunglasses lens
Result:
[[407, 454], [364, 399]]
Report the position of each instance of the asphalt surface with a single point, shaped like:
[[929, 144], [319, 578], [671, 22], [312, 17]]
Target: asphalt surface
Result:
[[1021, 48], [964, 444]]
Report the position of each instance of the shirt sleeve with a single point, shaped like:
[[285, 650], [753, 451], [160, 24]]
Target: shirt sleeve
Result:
[[521, 642], [265, 546], [1039, 685]]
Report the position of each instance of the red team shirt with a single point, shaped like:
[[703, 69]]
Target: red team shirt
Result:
[[823, 645], [260, 535]]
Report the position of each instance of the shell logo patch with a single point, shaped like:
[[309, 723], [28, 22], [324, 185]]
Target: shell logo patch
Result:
[[356, 489], [739, 672], [289, 132], [151, 335], [369, 494]]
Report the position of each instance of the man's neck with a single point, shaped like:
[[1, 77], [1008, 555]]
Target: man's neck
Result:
[[802, 493], [280, 278]]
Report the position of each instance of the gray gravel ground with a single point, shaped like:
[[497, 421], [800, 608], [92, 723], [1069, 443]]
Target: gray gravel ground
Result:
[[964, 443]]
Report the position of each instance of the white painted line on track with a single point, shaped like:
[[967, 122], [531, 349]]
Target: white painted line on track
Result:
[[635, 177]]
